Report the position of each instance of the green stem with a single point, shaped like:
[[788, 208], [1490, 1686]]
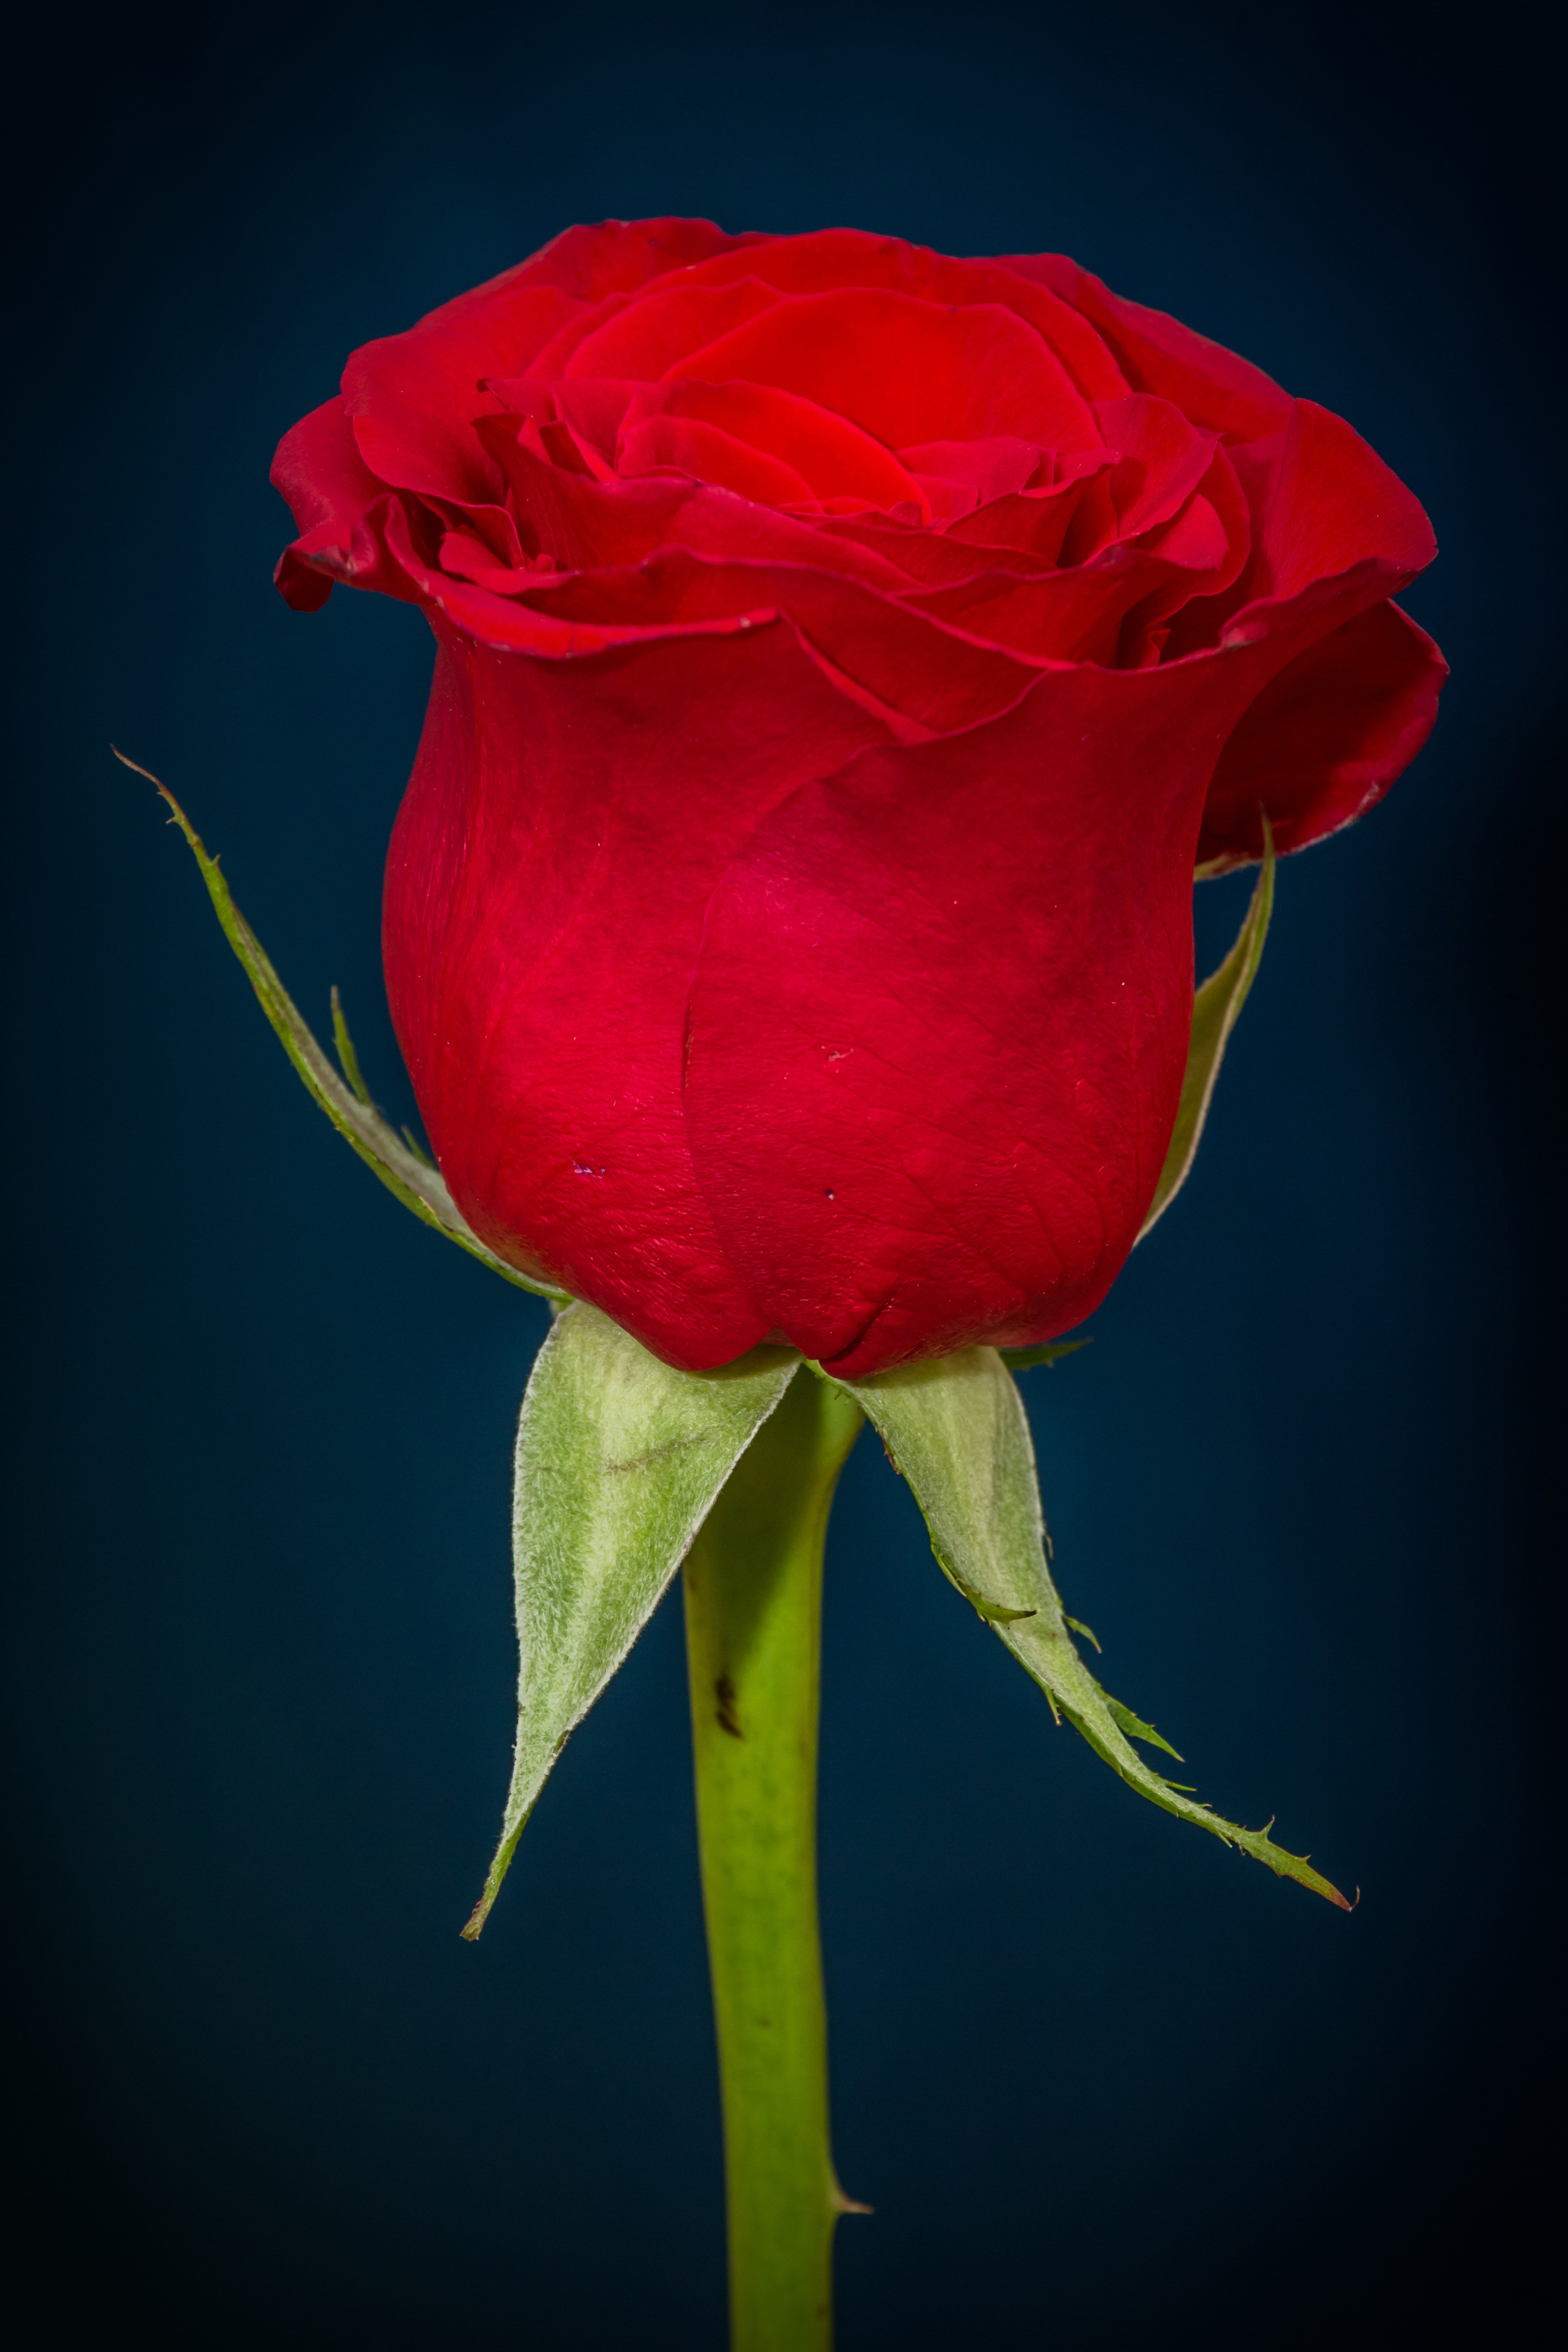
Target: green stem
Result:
[[754, 1627]]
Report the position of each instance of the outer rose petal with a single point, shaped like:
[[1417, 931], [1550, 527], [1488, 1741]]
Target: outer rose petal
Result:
[[939, 1020], [413, 396], [1334, 532], [563, 831], [1333, 504], [320, 471], [1325, 742]]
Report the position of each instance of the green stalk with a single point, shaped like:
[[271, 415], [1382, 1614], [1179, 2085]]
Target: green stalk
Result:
[[753, 1628]]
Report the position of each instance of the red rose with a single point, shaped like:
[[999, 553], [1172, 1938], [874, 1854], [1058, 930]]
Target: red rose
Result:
[[845, 656]]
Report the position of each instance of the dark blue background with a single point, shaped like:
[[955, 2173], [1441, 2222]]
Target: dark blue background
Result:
[[1104, 2080]]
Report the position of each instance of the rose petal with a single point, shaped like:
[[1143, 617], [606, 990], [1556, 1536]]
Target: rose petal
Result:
[[907, 371], [1334, 504], [706, 452], [848, 257], [412, 396], [1205, 604], [939, 1020], [553, 359], [907, 660], [832, 457], [1323, 742], [1036, 522], [542, 917], [1333, 533], [595, 409], [930, 559], [582, 523], [1079, 615], [989, 468], [328, 485], [943, 500], [1163, 460], [641, 343], [616, 256]]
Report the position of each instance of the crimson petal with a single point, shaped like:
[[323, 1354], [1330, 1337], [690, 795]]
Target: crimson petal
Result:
[[542, 916], [1325, 740], [939, 1022]]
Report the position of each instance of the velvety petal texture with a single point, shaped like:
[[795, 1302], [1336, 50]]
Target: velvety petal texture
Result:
[[845, 655]]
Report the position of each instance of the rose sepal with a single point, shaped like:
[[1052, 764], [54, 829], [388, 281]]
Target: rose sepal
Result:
[[619, 1460], [1216, 1008], [402, 1167], [954, 1427]]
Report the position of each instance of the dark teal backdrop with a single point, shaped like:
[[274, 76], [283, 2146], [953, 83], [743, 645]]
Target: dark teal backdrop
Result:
[[1105, 2083]]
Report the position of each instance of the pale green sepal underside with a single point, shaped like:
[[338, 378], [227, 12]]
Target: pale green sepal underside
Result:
[[619, 1460], [1215, 1010], [956, 1429], [401, 1166]]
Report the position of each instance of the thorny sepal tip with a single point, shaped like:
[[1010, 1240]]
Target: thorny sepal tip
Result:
[[348, 1060], [346, 1100], [1023, 1359]]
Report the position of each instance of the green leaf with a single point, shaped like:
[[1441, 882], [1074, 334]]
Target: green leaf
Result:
[[1023, 1359], [403, 1170], [1215, 1010], [619, 1460], [958, 1429]]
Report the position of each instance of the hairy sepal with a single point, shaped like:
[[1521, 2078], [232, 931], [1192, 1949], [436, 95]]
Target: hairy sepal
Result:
[[956, 1429], [619, 1460], [1215, 1010], [400, 1164]]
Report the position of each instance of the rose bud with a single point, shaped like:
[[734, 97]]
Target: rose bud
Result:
[[845, 657]]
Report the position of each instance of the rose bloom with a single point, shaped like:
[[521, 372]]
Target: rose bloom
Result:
[[845, 657]]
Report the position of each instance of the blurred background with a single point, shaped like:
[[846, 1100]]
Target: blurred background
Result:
[[1104, 2080]]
